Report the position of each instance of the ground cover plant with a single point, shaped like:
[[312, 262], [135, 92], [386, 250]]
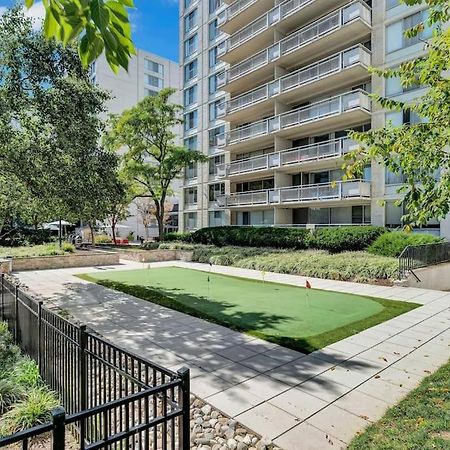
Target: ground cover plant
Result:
[[37, 250], [25, 401], [298, 318], [420, 421]]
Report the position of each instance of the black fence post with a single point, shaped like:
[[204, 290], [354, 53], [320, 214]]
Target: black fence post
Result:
[[2, 297], [83, 381], [16, 314], [59, 428], [184, 429], [39, 340]]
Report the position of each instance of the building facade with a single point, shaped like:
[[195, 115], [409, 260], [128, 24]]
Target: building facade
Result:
[[271, 90], [147, 75]]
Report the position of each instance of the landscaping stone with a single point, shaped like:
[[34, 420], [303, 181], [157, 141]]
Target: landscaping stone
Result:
[[212, 430]]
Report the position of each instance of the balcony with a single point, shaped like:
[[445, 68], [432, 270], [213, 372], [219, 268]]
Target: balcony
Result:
[[338, 112], [323, 194], [314, 157], [285, 17], [242, 12], [346, 26], [330, 74]]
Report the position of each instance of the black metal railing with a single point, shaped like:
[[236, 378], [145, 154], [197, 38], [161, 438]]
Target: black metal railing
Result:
[[417, 256], [113, 398]]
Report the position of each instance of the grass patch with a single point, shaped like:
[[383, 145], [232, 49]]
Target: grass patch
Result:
[[420, 421], [37, 250], [301, 319]]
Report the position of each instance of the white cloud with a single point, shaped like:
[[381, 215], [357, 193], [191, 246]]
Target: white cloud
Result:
[[37, 14]]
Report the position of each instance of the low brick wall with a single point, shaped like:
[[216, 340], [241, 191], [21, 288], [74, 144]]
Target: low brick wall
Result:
[[77, 259], [158, 255]]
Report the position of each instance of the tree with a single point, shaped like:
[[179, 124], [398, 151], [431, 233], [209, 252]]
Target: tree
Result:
[[151, 160], [50, 123], [118, 211], [418, 150], [147, 212], [97, 25]]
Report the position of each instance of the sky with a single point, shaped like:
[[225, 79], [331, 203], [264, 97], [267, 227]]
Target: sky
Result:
[[154, 25]]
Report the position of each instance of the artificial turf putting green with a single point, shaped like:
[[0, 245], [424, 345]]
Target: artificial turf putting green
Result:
[[299, 318]]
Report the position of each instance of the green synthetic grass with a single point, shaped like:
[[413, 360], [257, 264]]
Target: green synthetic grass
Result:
[[421, 421], [299, 318]]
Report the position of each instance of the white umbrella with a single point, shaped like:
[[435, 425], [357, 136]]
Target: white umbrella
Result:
[[118, 226], [63, 223], [51, 227]]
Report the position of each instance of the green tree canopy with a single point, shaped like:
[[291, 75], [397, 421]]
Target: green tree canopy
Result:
[[96, 25], [151, 160], [50, 123], [417, 150]]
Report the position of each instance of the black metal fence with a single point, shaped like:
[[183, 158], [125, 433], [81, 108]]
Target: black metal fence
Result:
[[113, 398], [417, 256]]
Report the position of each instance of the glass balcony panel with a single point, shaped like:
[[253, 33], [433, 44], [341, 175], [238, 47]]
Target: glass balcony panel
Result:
[[247, 32], [256, 61], [247, 99], [237, 7]]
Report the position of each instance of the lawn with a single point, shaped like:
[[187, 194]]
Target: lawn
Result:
[[299, 318], [420, 421]]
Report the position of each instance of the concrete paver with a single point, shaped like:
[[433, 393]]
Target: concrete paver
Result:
[[315, 401]]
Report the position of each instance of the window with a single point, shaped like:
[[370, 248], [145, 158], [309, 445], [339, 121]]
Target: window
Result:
[[190, 21], [190, 120], [360, 214], [151, 92], [188, 3], [214, 162], [391, 4], [216, 218], [394, 178], [153, 66], [190, 220], [214, 109], [213, 31], [190, 171], [395, 33], [190, 96], [399, 118], [190, 70], [190, 197], [191, 143], [190, 46], [212, 57], [212, 84], [154, 81], [215, 191], [393, 86], [214, 5], [255, 185], [214, 133]]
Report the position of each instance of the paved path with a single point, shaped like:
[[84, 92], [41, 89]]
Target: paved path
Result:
[[299, 401]]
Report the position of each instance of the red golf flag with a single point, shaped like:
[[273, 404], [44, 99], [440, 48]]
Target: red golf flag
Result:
[[308, 285]]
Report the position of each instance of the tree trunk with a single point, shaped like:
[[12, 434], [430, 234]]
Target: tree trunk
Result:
[[91, 226], [160, 218], [113, 230]]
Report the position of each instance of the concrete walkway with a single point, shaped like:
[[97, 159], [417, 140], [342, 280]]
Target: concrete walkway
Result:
[[299, 401]]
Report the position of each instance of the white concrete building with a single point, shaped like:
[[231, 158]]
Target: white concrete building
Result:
[[147, 75], [271, 89]]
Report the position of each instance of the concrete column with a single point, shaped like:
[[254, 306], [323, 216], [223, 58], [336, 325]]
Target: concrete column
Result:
[[280, 107], [281, 144], [282, 179]]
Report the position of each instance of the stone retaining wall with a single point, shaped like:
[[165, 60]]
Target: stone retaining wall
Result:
[[77, 259], [158, 255], [435, 277]]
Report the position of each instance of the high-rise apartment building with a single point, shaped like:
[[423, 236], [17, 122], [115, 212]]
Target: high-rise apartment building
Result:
[[147, 75], [271, 89]]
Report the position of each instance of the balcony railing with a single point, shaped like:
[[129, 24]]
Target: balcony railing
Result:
[[237, 6], [331, 149], [306, 75], [312, 32], [337, 190], [316, 111]]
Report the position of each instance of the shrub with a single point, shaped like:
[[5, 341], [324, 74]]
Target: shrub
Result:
[[226, 256], [150, 245], [26, 236], [102, 239], [33, 410], [341, 239], [10, 392], [180, 237], [295, 238], [392, 244], [26, 373], [66, 247]]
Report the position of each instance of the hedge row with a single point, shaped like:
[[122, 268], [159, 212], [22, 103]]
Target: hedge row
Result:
[[332, 239]]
